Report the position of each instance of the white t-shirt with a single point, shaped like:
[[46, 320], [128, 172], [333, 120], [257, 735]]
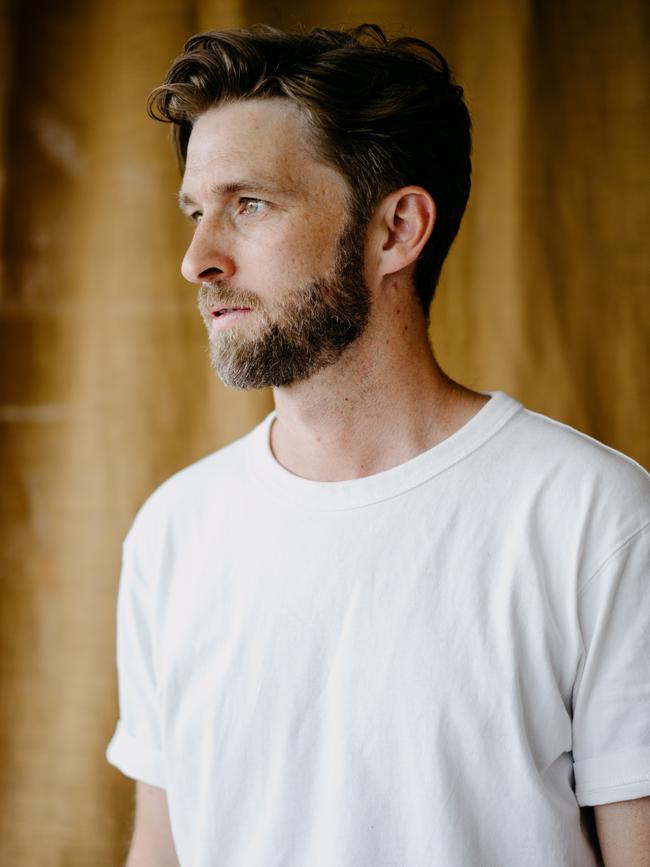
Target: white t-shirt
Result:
[[434, 665]]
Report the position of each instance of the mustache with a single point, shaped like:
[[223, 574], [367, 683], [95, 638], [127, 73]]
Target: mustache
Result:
[[212, 295]]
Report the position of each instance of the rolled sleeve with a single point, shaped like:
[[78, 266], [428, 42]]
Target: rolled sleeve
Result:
[[136, 746], [611, 719], [134, 758]]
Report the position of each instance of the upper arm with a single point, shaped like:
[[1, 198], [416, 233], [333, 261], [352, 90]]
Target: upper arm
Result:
[[624, 832], [152, 844]]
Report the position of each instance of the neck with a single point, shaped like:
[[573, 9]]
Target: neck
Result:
[[385, 401]]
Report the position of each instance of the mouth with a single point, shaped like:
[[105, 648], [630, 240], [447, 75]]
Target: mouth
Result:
[[217, 312], [225, 317]]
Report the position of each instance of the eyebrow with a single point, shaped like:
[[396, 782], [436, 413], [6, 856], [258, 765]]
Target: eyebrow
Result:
[[245, 184]]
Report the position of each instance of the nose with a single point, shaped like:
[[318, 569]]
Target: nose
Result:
[[205, 259]]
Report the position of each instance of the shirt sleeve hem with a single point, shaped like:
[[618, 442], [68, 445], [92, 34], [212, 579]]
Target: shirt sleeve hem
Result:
[[135, 759], [611, 794], [619, 776]]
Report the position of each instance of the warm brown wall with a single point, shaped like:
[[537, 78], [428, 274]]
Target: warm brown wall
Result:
[[106, 388]]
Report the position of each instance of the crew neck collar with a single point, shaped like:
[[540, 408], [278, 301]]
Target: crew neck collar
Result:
[[356, 493]]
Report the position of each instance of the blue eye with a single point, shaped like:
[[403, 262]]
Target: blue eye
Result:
[[251, 206]]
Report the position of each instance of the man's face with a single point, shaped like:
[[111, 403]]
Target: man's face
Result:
[[280, 265]]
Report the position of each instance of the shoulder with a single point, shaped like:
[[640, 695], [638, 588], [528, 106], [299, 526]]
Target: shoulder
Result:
[[190, 494], [588, 497], [532, 450], [576, 459]]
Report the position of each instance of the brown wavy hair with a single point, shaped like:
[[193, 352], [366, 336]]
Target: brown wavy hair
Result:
[[385, 112]]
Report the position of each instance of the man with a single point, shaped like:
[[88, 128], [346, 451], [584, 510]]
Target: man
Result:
[[400, 623]]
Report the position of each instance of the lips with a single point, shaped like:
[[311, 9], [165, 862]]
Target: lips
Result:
[[222, 311]]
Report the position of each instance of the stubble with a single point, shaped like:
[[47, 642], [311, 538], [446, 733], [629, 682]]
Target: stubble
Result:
[[308, 331]]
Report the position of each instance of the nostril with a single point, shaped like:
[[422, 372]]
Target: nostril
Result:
[[210, 273]]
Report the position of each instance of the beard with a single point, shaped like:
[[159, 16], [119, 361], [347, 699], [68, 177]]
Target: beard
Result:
[[309, 330]]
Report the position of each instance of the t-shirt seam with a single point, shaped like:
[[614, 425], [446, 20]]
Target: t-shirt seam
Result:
[[613, 554]]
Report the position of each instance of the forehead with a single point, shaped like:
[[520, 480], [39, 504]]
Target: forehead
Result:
[[268, 139]]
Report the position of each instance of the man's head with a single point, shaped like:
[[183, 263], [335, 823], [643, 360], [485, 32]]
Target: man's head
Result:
[[384, 113]]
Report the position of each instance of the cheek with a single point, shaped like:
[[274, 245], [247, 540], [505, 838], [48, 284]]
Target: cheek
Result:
[[298, 255]]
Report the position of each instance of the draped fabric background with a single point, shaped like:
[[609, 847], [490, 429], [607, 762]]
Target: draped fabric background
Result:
[[106, 387]]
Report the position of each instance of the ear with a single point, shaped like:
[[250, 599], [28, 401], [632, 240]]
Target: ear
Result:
[[404, 222]]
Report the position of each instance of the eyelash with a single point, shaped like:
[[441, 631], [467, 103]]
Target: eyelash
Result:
[[196, 216]]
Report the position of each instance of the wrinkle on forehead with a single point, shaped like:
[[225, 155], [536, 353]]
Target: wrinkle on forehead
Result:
[[270, 139]]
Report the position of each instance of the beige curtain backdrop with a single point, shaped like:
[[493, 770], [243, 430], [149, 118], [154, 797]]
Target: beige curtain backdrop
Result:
[[106, 385]]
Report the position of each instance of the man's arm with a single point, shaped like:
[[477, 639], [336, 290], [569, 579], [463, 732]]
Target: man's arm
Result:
[[624, 832], [152, 844]]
